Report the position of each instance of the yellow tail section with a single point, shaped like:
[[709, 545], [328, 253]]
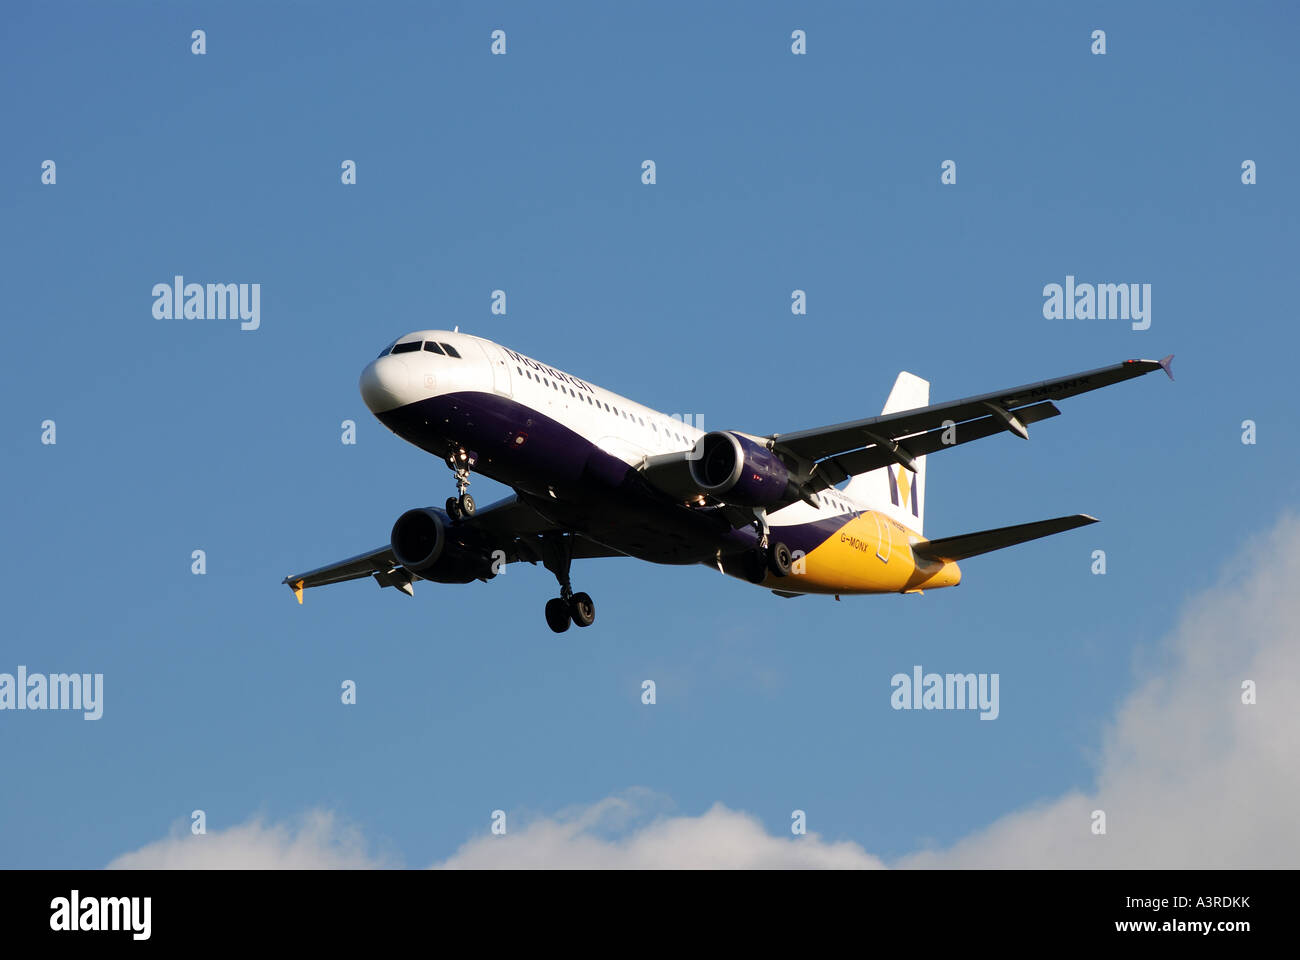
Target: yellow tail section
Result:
[[870, 553], [895, 491]]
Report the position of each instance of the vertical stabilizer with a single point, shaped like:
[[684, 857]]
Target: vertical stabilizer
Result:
[[894, 490]]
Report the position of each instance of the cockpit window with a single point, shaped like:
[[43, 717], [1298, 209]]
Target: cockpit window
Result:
[[387, 350], [432, 347], [408, 347], [451, 351]]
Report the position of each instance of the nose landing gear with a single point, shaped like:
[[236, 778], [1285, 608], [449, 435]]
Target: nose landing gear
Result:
[[568, 607], [461, 506]]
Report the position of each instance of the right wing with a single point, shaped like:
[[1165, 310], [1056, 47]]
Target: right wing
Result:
[[516, 527], [377, 563]]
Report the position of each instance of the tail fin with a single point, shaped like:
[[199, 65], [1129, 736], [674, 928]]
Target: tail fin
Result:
[[893, 490]]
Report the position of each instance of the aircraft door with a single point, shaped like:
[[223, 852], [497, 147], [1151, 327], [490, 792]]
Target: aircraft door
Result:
[[500, 365], [883, 539]]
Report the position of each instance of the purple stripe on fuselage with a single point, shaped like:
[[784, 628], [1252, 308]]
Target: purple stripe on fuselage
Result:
[[573, 482]]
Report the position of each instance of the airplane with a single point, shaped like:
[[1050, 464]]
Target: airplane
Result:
[[595, 474]]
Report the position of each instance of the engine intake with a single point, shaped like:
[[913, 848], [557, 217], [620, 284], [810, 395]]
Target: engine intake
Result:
[[424, 543], [736, 470]]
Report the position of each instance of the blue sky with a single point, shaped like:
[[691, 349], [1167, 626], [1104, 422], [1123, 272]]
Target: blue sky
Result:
[[522, 172]]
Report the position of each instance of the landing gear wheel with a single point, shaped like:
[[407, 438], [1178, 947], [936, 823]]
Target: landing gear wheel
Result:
[[754, 565], [582, 610], [557, 614], [779, 559], [460, 506]]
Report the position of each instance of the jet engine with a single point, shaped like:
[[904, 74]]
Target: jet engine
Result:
[[426, 544], [736, 470]]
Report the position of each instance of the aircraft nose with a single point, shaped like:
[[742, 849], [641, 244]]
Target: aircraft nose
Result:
[[386, 384]]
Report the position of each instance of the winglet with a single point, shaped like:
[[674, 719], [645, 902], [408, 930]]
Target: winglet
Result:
[[297, 590], [1167, 365]]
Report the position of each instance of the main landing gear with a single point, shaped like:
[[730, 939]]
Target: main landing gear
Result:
[[568, 607], [769, 557], [462, 506]]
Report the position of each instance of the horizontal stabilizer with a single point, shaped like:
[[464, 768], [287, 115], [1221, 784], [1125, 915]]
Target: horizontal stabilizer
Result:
[[986, 541]]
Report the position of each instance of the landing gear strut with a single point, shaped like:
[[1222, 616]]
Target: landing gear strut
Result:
[[768, 557], [578, 608], [462, 506]]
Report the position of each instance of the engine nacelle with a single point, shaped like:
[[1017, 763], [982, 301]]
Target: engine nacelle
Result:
[[736, 470], [424, 543]]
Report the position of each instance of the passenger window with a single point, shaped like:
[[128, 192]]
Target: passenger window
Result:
[[451, 351], [410, 347], [432, 347]]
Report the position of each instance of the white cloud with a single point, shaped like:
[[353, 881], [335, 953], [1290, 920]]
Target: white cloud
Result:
[[1188, 776], [316, 841], [717, 839]]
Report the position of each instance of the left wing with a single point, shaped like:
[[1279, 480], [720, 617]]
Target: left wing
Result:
[[516, 527], [834, 453], [822, 457]]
